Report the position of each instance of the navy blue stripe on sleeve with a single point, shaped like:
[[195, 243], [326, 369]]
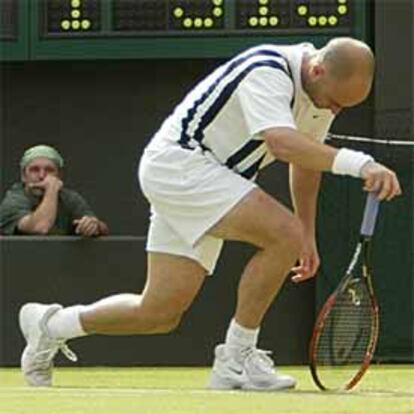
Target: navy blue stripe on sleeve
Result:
[[227, 91], [226, 94]]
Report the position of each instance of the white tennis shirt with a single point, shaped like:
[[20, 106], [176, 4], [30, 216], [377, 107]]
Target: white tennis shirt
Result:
[[225, 113]]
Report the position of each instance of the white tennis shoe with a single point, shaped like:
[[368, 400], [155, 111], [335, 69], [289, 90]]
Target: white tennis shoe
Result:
[[250, 369], [41, 348]]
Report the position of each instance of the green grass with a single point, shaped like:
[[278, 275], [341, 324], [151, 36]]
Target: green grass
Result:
[[384, 390]]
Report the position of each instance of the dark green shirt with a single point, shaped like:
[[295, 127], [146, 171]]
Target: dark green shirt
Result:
[[17, 204]]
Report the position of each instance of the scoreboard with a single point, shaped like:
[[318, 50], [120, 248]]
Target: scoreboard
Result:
[[87, 29]]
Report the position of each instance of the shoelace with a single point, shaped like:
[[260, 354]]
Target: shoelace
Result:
[[46, 355], [56, 344], [69, 354], [259, 358]]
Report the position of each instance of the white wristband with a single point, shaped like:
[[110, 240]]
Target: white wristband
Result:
[[350, 162]]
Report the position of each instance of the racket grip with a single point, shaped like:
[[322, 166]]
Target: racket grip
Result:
[[370, 215]]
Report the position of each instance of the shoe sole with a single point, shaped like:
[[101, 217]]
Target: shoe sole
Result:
[[218, 383], [280, 387], [222, 385]]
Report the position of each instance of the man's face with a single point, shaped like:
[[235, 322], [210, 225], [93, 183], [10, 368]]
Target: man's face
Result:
[[326, 92], [37, 170]]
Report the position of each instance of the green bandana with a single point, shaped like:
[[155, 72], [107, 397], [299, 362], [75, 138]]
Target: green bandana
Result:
[[41, 151]]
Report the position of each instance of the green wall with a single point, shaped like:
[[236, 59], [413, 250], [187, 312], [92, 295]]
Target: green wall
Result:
[[341, 207]]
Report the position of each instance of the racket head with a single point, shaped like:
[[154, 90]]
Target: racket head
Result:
[[345, 333]]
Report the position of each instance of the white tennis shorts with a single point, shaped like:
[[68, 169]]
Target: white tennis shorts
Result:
[[189, 192]]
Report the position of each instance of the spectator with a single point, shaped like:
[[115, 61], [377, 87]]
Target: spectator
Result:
[[40, 204]]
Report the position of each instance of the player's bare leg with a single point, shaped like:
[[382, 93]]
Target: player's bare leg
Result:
[[265, 223], [262, 221], [171, 286]]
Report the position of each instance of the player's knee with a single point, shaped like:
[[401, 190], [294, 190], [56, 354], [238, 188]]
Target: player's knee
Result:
[[294, 234], [167, 324], [161, 319], [172, 324]]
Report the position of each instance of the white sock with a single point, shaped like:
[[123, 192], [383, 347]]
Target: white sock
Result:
[[240, 337], [66, 324]]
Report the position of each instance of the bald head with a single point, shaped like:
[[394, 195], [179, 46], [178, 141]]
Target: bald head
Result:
[[339, 75], [346, 58]]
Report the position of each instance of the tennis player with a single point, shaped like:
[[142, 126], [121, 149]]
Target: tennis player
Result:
[[198, 172]]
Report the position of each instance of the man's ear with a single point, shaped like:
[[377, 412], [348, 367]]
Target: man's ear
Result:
[[318, 70]]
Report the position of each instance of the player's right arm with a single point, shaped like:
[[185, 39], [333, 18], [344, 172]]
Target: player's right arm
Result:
[[42, 219], [289, 145]]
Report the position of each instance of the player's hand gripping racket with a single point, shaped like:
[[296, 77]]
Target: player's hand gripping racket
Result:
[[346, 330]]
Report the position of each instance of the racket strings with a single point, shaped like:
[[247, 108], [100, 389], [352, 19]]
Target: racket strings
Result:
[[346, 335]]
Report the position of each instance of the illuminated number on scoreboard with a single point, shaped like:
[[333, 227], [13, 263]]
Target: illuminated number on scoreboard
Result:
[[292, 14], [210, 16], [170, 17], [73, 15], [261, 14], [325, 14], [76, 20]]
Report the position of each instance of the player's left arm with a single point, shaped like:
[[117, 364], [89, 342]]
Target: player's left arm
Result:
[[304, 188]]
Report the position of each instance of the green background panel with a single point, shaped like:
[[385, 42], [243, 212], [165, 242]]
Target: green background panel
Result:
[[341, 205], [36, 42], [18, 48]]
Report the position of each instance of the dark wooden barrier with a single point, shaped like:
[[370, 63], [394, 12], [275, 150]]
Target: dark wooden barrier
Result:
[[70, 270]]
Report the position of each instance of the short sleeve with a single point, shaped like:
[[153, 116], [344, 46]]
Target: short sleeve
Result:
[[265, 97], [12, 209]]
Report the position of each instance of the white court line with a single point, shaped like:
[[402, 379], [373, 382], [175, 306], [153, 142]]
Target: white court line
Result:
[[108, 390], [122, 392]]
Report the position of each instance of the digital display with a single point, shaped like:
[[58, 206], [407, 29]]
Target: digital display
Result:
[[72, 15], [266, 14], [139, 29], [175, 15], [187, 17]]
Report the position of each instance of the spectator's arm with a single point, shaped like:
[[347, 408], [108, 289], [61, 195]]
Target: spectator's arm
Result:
[[85, 221], [90, 226], [42, 219], [12, 209]]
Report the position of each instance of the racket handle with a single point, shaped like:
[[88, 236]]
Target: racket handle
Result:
[[370, 215]]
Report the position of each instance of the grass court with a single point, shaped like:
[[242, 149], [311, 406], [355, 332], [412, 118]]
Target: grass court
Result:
[[385, 389]]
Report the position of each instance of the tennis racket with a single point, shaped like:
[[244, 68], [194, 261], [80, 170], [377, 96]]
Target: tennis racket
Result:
[[346, 330]]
